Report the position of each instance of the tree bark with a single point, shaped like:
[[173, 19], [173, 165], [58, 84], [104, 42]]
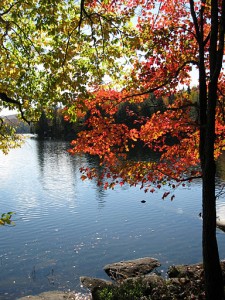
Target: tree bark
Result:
[[207, 101], [211, 261], [212, 270]]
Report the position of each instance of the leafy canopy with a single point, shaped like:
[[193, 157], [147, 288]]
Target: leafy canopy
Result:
[[51, 52]]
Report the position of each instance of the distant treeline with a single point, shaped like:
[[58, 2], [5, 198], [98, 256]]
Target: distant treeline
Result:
[[57, 128], [14, 121]]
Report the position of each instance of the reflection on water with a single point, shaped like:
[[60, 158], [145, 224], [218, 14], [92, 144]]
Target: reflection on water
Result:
[[67, 228], [221, 187]]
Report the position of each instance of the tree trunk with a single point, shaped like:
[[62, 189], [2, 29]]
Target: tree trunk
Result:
[[211, 261], [212, 269], [207, 101]]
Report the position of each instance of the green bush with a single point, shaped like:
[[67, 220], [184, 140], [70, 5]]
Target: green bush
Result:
[[129, 290]]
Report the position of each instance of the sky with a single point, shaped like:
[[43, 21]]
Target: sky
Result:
[[194, 77], [6, 112]]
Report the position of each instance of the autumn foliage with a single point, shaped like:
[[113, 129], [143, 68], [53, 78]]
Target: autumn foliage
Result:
[[172, 134]]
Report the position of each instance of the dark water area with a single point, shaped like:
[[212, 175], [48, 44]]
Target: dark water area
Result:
[[67, 228]]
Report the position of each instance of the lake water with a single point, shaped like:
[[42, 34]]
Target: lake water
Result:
[[67, 228]]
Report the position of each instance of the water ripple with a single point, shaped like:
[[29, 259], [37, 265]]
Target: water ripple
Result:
[[66, 228]]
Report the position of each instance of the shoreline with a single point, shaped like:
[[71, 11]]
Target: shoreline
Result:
[[58, 295]]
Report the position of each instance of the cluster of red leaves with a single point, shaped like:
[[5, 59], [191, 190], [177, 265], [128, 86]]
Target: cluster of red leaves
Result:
[[172, 134], [112, 141], [103, 137]]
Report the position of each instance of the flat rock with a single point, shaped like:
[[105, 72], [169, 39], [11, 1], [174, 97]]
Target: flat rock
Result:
[[131, 268]]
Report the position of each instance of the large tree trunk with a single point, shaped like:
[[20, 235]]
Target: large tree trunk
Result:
[[213, 273], [212, 269], [207, 101], [211, 261]]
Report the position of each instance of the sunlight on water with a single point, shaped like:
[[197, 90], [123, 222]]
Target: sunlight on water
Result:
[[67, 228]]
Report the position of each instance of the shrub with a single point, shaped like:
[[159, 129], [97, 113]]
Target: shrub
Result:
[[128, 290]]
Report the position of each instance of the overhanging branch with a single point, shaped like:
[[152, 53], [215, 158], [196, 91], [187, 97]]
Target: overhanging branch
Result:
[[165, 83], [7, 99]]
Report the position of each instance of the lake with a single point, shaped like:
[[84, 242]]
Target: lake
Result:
[[67, 228]]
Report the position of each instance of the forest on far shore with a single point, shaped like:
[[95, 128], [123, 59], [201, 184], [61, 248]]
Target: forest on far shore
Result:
[[57, 127]]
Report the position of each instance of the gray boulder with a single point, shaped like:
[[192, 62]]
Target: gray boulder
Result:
[[131, 268]]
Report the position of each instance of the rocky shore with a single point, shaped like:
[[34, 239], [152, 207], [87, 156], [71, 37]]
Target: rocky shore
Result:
[[59, 295], [183, 282]]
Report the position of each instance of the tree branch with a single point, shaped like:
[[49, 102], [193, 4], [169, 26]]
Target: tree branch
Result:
[[82, 9], [220, 51], [164, 83], [195, 20], [6, 99], [8, 10]]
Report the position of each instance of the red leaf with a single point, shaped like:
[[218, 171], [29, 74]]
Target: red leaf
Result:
[[165, 195]]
